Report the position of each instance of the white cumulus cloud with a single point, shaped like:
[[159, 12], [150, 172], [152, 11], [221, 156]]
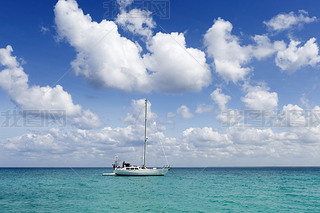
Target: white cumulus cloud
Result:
[[259, 98], [102, 144], [174, 67], [296, 56], [230, 57], [245, 144], [220, 99], [226, 116], [137, 22], [206, 137], [265, 48], [104, 57], [293, 116], [286, 21], [236, 146], [14, 80], [107, 59], [184, 111]]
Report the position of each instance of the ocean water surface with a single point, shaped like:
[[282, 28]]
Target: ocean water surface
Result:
[[181, 190]]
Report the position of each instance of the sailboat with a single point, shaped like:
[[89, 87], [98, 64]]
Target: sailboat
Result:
[[129, 170]]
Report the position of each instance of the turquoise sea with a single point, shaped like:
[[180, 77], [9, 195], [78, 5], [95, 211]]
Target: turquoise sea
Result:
[[181, 190]]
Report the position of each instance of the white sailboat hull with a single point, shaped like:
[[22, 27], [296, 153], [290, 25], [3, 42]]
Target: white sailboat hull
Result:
[[141, 172]]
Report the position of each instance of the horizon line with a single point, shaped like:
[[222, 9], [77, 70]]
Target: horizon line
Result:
[[176, 167]]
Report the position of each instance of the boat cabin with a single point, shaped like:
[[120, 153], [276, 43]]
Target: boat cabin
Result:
[[132, 168]]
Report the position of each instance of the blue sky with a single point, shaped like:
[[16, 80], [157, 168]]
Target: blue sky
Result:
[[196, 64]]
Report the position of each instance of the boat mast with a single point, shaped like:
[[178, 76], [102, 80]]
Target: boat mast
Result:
[[145, 135]]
